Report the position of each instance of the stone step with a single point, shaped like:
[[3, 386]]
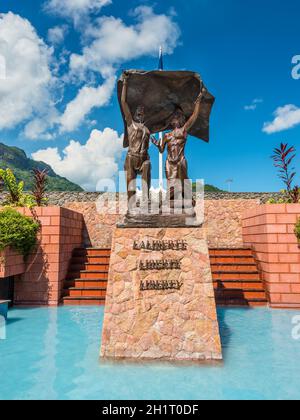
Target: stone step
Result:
[[240, 294], [91, 252], [86, 283], [229, 259], [231, 252], [235, 276], [85, 259], [244, 285], [94, 275], [242, 303], [98, 275], [89, 267], [236, 268], [84, 301], [87, 292]]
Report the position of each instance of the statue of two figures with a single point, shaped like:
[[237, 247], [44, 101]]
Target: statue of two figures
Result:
[[176, 103]]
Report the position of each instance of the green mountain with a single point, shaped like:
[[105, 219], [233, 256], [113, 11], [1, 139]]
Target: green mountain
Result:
[[16, 159], [208, 188], [211, 188]]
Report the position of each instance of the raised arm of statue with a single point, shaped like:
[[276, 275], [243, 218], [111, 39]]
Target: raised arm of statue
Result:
[[125, 106], [160, 145], [189, 124]]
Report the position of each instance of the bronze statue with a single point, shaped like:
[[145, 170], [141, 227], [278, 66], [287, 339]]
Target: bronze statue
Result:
[[162, 101], [175, 141], [137, 160]]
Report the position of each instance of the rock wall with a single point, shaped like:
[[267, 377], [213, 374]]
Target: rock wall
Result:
[[222, 220]]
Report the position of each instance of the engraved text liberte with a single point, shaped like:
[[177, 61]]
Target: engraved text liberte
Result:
[[158, 265]]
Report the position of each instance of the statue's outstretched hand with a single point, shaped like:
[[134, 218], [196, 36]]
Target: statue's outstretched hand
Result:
[[154, 141]]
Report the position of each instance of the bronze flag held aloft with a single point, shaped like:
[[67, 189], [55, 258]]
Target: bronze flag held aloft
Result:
[[162, 93]]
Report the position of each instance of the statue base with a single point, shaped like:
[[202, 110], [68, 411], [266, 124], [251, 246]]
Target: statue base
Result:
[[160, 303], [143, 216], [140, 220]]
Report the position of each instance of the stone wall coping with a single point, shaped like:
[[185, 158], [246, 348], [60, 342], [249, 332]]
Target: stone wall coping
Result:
[[62, 198], [52, 210]]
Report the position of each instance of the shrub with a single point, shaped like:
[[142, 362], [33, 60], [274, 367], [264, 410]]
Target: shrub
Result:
[[297, 230], [17, 231], [283, 158], [17, 197], [287, 198], [39, 187]]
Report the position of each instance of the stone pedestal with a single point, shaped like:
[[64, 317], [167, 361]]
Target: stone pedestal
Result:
[[159, 221], [160, 302]]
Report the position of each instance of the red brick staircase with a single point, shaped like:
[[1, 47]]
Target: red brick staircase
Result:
[[237, 281], [236, 277], [86, 281]]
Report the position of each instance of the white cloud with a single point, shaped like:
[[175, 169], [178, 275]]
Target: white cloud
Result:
[[86, 164], [110, 43], [41, 127], [87, 98], [75, 9], [114, 42], [26, 90], [286, 117], [57, 34], [253, 105], [36, 78]]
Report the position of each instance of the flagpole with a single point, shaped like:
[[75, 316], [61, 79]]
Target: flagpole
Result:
[[161, 180]]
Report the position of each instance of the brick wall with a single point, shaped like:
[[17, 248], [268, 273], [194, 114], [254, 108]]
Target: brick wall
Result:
[[269, 230], [46, 269], [11, 263]]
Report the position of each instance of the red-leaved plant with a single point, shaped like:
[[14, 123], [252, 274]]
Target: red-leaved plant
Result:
[[40, 186], [283, 158]]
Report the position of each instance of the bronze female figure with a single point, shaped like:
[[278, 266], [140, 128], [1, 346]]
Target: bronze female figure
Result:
[[175, 141]]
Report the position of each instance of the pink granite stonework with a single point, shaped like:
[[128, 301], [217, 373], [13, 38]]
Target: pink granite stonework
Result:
[[177, 321]]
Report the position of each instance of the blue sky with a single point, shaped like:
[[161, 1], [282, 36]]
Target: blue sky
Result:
[[243, 50]]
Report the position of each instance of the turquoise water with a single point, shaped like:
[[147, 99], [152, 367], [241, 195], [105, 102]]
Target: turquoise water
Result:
[[53, 354]]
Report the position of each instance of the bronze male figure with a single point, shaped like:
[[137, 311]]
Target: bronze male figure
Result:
[[137, 160]]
